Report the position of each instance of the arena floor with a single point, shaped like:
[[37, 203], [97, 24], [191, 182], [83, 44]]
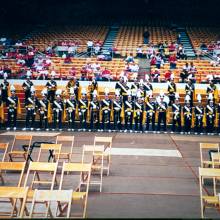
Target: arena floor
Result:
[[151, 175]]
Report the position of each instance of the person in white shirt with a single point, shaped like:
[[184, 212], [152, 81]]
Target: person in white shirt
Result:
[[139, 51], [89, 47], [134, 67]]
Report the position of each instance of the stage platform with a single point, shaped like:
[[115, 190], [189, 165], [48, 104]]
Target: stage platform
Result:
[[151, 175]]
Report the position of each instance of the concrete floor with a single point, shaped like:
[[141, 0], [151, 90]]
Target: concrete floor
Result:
[[144, 186]]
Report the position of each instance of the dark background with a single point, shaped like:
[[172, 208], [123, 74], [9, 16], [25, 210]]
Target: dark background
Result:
[[101, 11]]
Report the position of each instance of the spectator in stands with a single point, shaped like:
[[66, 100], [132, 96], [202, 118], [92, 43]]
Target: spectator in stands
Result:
[[133, 67], [216, 62], [181, 52], [153, 60], [159, 61], [83, 72], [160, 47], [97, 48], [8, 70], [98, 74], [155, 75], [185, 72], [72, 72], [172, 47], [146, 36], [168, 75], [67, 60], [150, 51], [172, 61], [129, 58], [89, 47], [139, 51], [106, 75]]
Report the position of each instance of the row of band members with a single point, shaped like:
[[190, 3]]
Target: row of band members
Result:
[[124, 111]]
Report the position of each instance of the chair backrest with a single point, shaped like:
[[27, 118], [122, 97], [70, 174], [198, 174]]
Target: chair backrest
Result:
[[13, 166], [56, 148], [90, 150], [66, 139], [26, 138], [4, 147]]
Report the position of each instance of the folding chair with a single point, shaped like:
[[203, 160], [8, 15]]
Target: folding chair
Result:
[[96, 154], [13, 194], [84, 172], [215, 160], [49, 196], [16, 151], [41, 167], [208, 201], [4, 147], [62, 140], [107, 141], [12, 166], [52, 149], [207, 147]]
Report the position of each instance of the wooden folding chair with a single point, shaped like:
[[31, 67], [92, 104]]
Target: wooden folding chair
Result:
[[107, 141], [67, 154], [49, 196], [83, 171], [16, 151], [13, 194], [41, 167], [208, 201], [215, 160], [4, 148], [96, 154], [52, 149], [12, 166], [207, 147]]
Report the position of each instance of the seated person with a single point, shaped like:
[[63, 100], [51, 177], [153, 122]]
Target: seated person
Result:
[[106, 74], [67, 60], [172, 61], [129, 58]]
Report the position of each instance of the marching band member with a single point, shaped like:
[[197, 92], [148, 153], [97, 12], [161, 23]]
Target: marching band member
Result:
[[58, 111], [31, 105], [128, 112], [139, 113], [213, 90], [171, 91], [71, 109], [1, 110], [92, 86], [148, 88], [44, 111], [83, 110], [13, 106], [141, 89], [151, 112], [73, 83], [176, 109], [134, 88], [51, 87], [118, 111], [187, 113], [190, 90], [122, 87], [199, 115], [162, 105], [210, 115], [5, 88], [94, 108], [105, 111], [27, 87]]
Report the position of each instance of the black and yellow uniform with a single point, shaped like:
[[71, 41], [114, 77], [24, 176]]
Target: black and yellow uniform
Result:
[[171, 92], [44, 112], [31, 106], [134, 89], [58, 112], [27, 88], [93, 86], [105, 113], [83, 112], [128, 113], [218, 118], [94, 107], [139, 109], [51, 88], [5, 90], [187, 114], [210, 117], [151, 108], [71, 109], [190, 90], [147, 87], [162, 115], [176, 109], [123, 89], [117, 107], [199, 116], [13, 107], [75, 85], [213, 90]]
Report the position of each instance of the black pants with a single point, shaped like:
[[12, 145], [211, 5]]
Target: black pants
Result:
[[178, 122], [139, 122], [210, 124], [82, 118], [57, 119], [106, 120], [94, 120], [30, 116], [117, 120], [162, 118], [51, 96], [188, 124], [27, 94], [43, 121], [172, 98], [71, 119], [12, 118], [128, 121], [150, 119], [199, 125]]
